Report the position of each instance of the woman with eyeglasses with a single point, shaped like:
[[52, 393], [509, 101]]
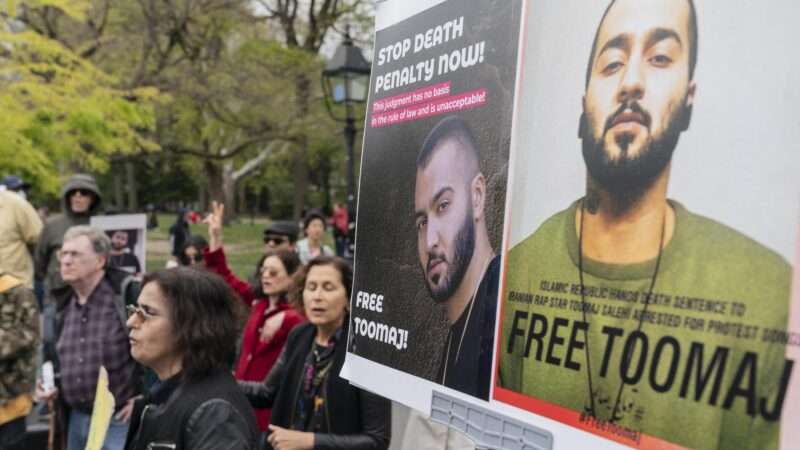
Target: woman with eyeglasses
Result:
[[272, 314], [312, 406], [181, 328]]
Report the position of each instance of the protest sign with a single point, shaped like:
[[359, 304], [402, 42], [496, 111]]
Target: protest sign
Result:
[[102, 411], [645, 253], [128, 234], [432, 194], [653, 216]]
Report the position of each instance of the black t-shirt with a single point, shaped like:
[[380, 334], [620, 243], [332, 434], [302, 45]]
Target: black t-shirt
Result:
[[126, 261], [469, 370]]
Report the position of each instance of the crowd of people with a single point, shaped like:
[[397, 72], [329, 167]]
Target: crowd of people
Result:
[[183, 371]]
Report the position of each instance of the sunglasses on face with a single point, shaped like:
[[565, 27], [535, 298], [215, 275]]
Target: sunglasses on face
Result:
[[275, 240], [142, 311], [268, 272], [83, 192], [197, 257]]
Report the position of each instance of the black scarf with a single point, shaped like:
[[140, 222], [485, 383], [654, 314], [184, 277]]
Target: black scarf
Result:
[[311, 402]]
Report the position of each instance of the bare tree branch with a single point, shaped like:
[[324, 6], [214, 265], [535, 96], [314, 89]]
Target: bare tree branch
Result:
[[253, 164]]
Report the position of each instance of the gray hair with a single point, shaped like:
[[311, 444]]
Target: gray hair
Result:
[[101, 244]]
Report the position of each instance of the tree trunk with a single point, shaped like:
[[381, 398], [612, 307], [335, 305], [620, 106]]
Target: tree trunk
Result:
[[299, 166], [229, 192], [325, 181], [300, 175], [213, 181], [263, 201], [241, 197], [119, 186], [202, 194], [133, 197]]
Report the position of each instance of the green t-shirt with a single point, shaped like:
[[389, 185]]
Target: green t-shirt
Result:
[[707, 380]]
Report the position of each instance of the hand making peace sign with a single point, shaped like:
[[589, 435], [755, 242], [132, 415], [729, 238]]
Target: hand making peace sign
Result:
[[214, 221]]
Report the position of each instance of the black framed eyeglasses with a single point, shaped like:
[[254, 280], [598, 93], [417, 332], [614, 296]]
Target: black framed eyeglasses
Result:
[[141, 311]]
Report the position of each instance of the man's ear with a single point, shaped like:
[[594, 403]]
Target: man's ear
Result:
[[686, 114], [478, 191], [690, 93], [582, 119]]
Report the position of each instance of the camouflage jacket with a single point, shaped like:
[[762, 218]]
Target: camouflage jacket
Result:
[[19, 338]]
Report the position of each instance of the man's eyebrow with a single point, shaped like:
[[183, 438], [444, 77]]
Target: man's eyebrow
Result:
[[661, 34], [421, 212], [620, 41], [623, 41]]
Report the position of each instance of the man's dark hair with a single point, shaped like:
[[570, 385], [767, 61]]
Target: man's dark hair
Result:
[[343, 267], [692, 41], [291, 262], [202, 314], [448, 128]]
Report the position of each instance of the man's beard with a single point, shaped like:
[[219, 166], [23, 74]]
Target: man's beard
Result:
[[628, 177], [463, 248], [118, 247]]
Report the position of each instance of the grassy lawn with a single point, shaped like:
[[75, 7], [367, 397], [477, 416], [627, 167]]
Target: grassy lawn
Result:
[[243, 243]]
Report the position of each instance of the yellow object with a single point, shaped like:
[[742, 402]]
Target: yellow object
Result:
[[20, 406], [8, 282], [101, 412], [318, 402], [20, 227]]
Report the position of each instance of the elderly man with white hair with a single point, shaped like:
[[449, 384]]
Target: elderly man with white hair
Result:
[[90, 332]]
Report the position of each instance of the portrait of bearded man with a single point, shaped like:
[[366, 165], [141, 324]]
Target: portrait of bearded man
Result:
[[621, 306]]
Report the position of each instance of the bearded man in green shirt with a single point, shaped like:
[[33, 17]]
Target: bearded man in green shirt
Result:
[[626, 307]]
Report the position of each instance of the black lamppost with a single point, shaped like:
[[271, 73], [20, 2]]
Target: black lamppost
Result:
[[345, 82]]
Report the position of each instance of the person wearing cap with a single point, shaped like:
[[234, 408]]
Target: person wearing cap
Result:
[[312, 246], [80, 199], [16, 184], [280, 235]]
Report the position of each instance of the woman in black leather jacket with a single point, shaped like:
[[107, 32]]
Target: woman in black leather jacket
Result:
[[182, 328], [312, 407]]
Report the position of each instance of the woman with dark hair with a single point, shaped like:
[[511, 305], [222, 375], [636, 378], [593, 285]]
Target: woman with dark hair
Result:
[[181, 328], [312, 407], [272, 315], [192, 251], [312, 246]]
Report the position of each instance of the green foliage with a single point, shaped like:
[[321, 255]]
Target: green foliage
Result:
[[213, 83], [59, 108]]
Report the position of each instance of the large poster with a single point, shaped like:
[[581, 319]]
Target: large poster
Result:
[[128, 234], [432, 198], [632, 190], [652, 223]]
